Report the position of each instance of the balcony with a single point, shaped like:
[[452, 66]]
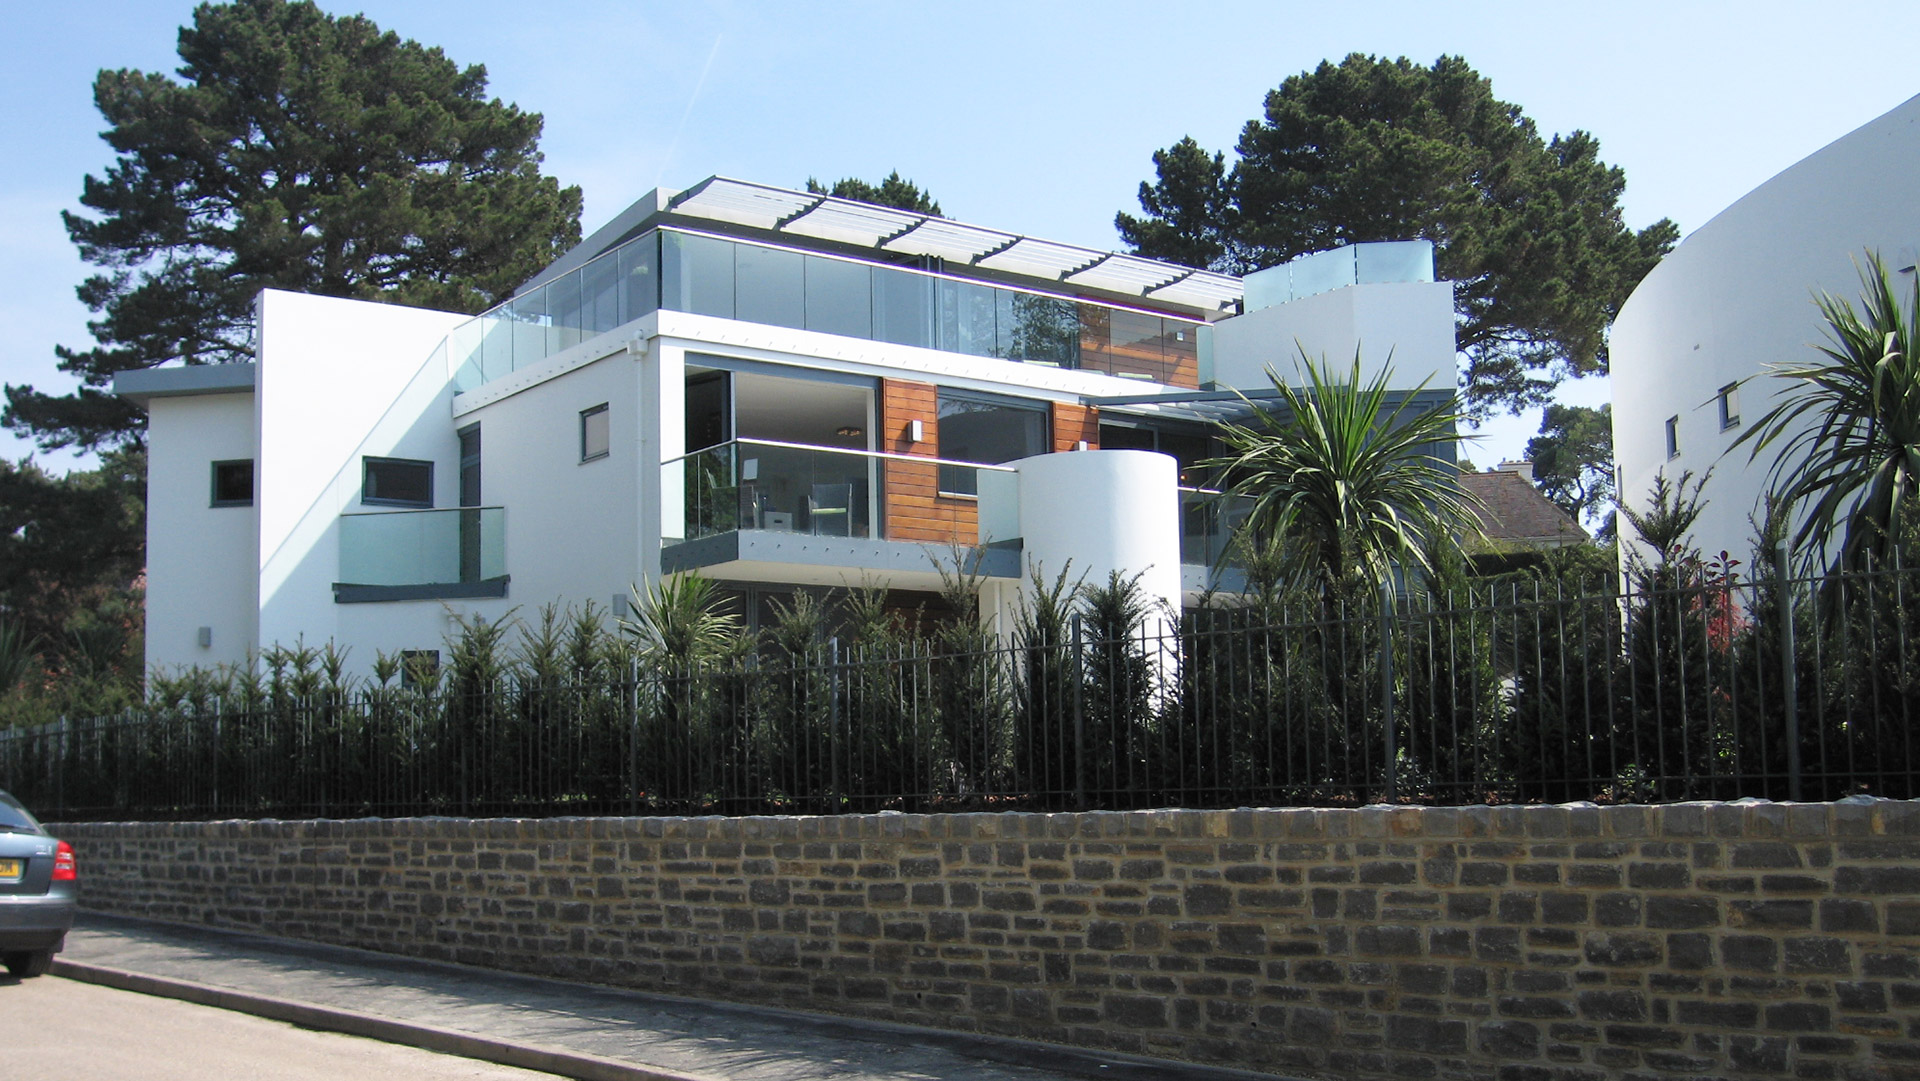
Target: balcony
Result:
[[676, 270], [757, 500], [422, 555]]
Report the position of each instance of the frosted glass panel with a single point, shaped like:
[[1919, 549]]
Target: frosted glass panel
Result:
[[1395, 261], [413, 548], [1322, 272]]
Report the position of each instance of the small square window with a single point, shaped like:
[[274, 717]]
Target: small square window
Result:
[[418, 667], [596, 437], [397, 482], [1673, 437], [1729, 406], [233, 483]]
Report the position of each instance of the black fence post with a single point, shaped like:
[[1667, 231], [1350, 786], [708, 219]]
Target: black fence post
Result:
[[1386, 687], [1078, 676], [1789, 676]]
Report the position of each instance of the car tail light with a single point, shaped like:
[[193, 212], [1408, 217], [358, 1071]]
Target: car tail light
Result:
[[64, 869]]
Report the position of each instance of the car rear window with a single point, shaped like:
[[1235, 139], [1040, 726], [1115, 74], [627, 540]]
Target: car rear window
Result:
[[13, 816]]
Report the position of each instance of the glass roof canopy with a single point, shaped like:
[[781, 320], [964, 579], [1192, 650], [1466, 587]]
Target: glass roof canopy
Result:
[[800, 213]]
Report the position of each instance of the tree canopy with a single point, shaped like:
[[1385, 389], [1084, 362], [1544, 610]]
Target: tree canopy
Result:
[[297, 150], [895, 191], [1371, 149], [1573, 459]]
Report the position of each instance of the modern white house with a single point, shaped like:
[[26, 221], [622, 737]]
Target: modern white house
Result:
[[777, 389], [1692, 346]]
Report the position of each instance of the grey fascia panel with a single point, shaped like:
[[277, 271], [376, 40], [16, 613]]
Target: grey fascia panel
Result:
[[852, 553], [146, 384], [351, 593]]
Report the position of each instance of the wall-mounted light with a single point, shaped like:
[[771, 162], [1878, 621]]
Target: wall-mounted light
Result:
[[849, 431], [205, 637], [1081, 445], [916, 431]]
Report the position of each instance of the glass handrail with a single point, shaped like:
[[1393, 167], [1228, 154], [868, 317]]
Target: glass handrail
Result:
[[423, 547], [773, 486], [705, 274]]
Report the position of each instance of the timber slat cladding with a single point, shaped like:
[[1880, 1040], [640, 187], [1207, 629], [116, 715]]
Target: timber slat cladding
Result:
[[1073, 423], [915, 510]]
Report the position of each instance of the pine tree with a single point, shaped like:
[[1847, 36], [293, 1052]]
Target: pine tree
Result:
[[301, 151]]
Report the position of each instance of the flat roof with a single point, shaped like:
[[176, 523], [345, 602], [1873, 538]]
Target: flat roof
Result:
[[145, 384]]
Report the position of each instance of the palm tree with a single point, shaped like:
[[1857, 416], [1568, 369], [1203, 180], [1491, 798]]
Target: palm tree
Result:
[[1341, 478], [1848, 431]]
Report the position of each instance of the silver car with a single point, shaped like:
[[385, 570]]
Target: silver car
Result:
[[38, 883]]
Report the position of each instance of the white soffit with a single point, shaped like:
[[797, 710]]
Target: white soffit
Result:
[[1127, 274], [851, 223], [950, 240]]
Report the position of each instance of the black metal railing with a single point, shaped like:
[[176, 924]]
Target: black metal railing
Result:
[[1521, 692]]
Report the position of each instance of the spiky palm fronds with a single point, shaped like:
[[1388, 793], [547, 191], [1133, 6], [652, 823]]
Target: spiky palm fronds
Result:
[[1340, 476], [1847, 436]]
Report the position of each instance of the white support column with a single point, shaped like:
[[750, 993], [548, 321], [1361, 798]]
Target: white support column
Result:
[[662, 436]]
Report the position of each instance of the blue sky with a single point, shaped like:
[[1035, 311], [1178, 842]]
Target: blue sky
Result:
[[1038, 117]]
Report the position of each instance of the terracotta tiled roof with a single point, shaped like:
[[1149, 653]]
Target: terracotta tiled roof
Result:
[[1517, 514]]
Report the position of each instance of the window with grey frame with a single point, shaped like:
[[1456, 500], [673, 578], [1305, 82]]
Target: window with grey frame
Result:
[[1673, 438], [396, 482], [232, 483], [988, 430], [1729, 406], [596, 433]]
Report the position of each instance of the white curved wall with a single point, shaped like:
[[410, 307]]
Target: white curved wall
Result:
[[1737, 295], [1105, 510]]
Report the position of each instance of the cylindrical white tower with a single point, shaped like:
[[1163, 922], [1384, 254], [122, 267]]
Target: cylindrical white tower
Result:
[[1105, 510]]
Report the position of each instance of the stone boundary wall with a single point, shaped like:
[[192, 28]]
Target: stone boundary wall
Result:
[[1523, 944]]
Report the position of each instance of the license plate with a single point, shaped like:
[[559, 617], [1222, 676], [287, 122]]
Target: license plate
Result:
[[11, 868]]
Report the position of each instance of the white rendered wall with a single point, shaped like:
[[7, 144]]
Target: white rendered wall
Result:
[[1411, 322], [201, 559], [341, 380], [1103, 510], [1737, 295], [571, 525]]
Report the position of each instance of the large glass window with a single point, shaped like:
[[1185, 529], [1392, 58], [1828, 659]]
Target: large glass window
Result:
[[967, 319], [697, 274], [978, 428], [771, 286], [839, 297], [902, 307]]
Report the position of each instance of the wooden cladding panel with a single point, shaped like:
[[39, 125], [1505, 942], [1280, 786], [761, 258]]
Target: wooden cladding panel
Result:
[[1072, 423], [913, 506]]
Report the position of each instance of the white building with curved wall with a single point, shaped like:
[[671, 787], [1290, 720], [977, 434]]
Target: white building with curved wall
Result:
[[1692, 346]]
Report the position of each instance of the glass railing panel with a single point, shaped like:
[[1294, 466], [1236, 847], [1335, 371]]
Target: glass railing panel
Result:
[[826, 492], [696, 274], [1321, 272], [423, 547], [564, 319], [1393, 261]]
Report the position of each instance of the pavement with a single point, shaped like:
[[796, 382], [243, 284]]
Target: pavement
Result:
[[573, 1030]]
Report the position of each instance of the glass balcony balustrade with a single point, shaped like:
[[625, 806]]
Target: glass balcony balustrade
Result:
[[681, 271], [753, 484], [458, 545]]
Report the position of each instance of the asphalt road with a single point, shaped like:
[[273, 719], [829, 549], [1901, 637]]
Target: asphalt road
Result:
[[61, 1030]]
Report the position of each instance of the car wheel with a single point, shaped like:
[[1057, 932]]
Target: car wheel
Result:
[[29, 963]]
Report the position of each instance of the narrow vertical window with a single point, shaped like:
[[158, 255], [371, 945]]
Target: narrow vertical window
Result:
[[233, 483], [1673, 437], [1729, 406], [596, 438]]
